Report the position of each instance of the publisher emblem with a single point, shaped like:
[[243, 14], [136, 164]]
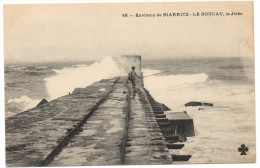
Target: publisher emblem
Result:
[[243, 149]]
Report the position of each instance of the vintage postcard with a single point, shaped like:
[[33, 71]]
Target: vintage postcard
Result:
[[151, 83]]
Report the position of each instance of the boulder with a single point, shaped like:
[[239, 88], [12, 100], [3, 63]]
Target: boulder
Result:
[[181, 124], [207, 104], [193, 103]]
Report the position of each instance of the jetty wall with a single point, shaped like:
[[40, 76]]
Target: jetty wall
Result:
[[106, 123]]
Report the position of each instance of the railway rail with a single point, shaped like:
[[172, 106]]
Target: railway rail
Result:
[[105, 123], [142, 138]]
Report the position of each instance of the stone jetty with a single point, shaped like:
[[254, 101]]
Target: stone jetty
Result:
[[106, 123]]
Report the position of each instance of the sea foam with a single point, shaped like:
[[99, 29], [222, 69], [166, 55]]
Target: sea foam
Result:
[[176, 90], [69, 78], [21, 104]]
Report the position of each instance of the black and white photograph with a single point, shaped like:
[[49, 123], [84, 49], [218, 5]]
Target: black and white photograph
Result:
[[141, 83]]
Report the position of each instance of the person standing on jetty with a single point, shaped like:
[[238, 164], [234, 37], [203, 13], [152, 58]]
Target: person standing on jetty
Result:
[[131, 77]]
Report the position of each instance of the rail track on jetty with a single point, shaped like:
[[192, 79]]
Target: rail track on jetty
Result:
[[106, 123], [77, 128], [145, 137]]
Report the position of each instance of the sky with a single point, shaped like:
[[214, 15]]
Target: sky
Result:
[[82, 32]]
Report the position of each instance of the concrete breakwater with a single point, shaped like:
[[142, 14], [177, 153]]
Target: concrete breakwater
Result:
[[106, 123], [33, 134]]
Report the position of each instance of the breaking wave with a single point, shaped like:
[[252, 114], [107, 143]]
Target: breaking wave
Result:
[[176, 90], [69, 78], [28, 102], [20, 104], [233, 113]]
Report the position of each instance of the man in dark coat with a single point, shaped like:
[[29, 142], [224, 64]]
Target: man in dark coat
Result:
[[131, 77]]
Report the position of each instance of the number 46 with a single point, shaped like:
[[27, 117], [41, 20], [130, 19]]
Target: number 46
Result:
[[125, 15]]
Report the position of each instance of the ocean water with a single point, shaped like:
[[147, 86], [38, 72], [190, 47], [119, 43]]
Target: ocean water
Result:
[[228, 83]]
